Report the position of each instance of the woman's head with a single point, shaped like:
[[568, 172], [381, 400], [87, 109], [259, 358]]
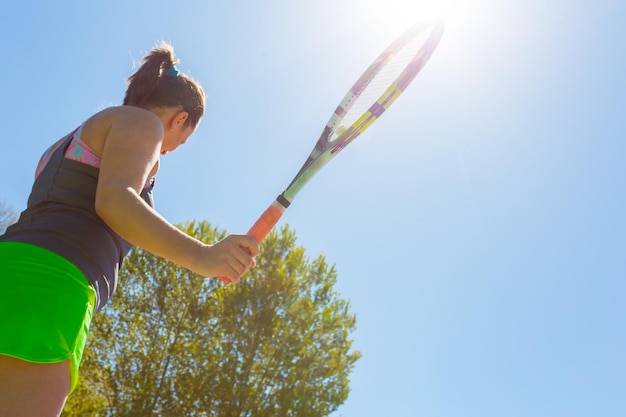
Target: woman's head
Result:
[[158, 84]]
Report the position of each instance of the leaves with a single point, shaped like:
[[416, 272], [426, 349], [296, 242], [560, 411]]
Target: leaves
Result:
[[174, 343], [8, 216]]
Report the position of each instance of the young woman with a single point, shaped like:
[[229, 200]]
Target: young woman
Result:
[[90, 203]]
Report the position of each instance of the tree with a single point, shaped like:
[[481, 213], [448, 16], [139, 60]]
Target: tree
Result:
[[8, 216], [173, 343]]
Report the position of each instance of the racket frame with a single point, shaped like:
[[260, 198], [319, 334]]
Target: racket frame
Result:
[[326, 148]]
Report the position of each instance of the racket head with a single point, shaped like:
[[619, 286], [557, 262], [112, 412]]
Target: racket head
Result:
[[383, 81], [371, 95]]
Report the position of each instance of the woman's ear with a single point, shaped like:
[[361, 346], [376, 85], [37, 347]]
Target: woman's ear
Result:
[[179, 119]]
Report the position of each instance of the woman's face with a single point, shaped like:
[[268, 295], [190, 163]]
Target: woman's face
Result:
[[176, 137]]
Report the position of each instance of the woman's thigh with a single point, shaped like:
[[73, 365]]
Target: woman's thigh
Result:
[[32, 389]]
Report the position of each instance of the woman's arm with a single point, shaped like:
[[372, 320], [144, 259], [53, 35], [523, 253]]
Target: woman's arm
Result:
[[131, 150]]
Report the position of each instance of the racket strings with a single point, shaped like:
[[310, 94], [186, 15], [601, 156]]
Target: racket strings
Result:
[[397, 61]]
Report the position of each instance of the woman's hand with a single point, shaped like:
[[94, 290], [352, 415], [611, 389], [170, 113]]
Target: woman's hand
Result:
[[228, 259]]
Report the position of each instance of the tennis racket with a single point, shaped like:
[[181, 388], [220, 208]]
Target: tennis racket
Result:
[[379, 86]]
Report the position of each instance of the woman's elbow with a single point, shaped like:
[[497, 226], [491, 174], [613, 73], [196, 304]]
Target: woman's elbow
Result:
[[110, 204]]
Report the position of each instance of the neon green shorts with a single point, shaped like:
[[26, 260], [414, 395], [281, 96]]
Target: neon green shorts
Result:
[[46, 304]]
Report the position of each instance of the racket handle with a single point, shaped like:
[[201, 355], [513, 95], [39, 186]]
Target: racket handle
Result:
[[261, 228], [267, 221]]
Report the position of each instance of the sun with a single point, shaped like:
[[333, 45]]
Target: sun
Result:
[[377, 22], [391, 16]]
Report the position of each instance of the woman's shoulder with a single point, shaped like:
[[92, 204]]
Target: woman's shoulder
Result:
[[97, 128], [124, 114]]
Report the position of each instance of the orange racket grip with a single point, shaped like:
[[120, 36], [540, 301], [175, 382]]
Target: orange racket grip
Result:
[[267, 221], [261, 228]]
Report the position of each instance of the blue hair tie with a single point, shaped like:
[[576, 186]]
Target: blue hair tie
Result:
[[171, 72]]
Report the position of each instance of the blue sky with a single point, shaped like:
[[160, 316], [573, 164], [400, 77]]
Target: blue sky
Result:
[[478, 228]]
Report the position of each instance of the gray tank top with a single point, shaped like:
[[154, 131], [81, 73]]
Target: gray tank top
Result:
[[61, 217]]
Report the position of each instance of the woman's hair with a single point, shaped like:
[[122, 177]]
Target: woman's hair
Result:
[[157, 83]]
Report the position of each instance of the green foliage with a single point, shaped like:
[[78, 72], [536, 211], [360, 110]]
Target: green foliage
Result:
[[8, 216], [174, 343]]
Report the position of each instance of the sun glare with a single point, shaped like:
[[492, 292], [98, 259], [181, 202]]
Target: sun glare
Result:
[[467, 22], [392, 16]]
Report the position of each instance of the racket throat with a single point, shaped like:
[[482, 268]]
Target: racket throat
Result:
[[283, 201]]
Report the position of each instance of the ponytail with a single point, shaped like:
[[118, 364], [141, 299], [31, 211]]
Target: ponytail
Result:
[[158, 83]]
